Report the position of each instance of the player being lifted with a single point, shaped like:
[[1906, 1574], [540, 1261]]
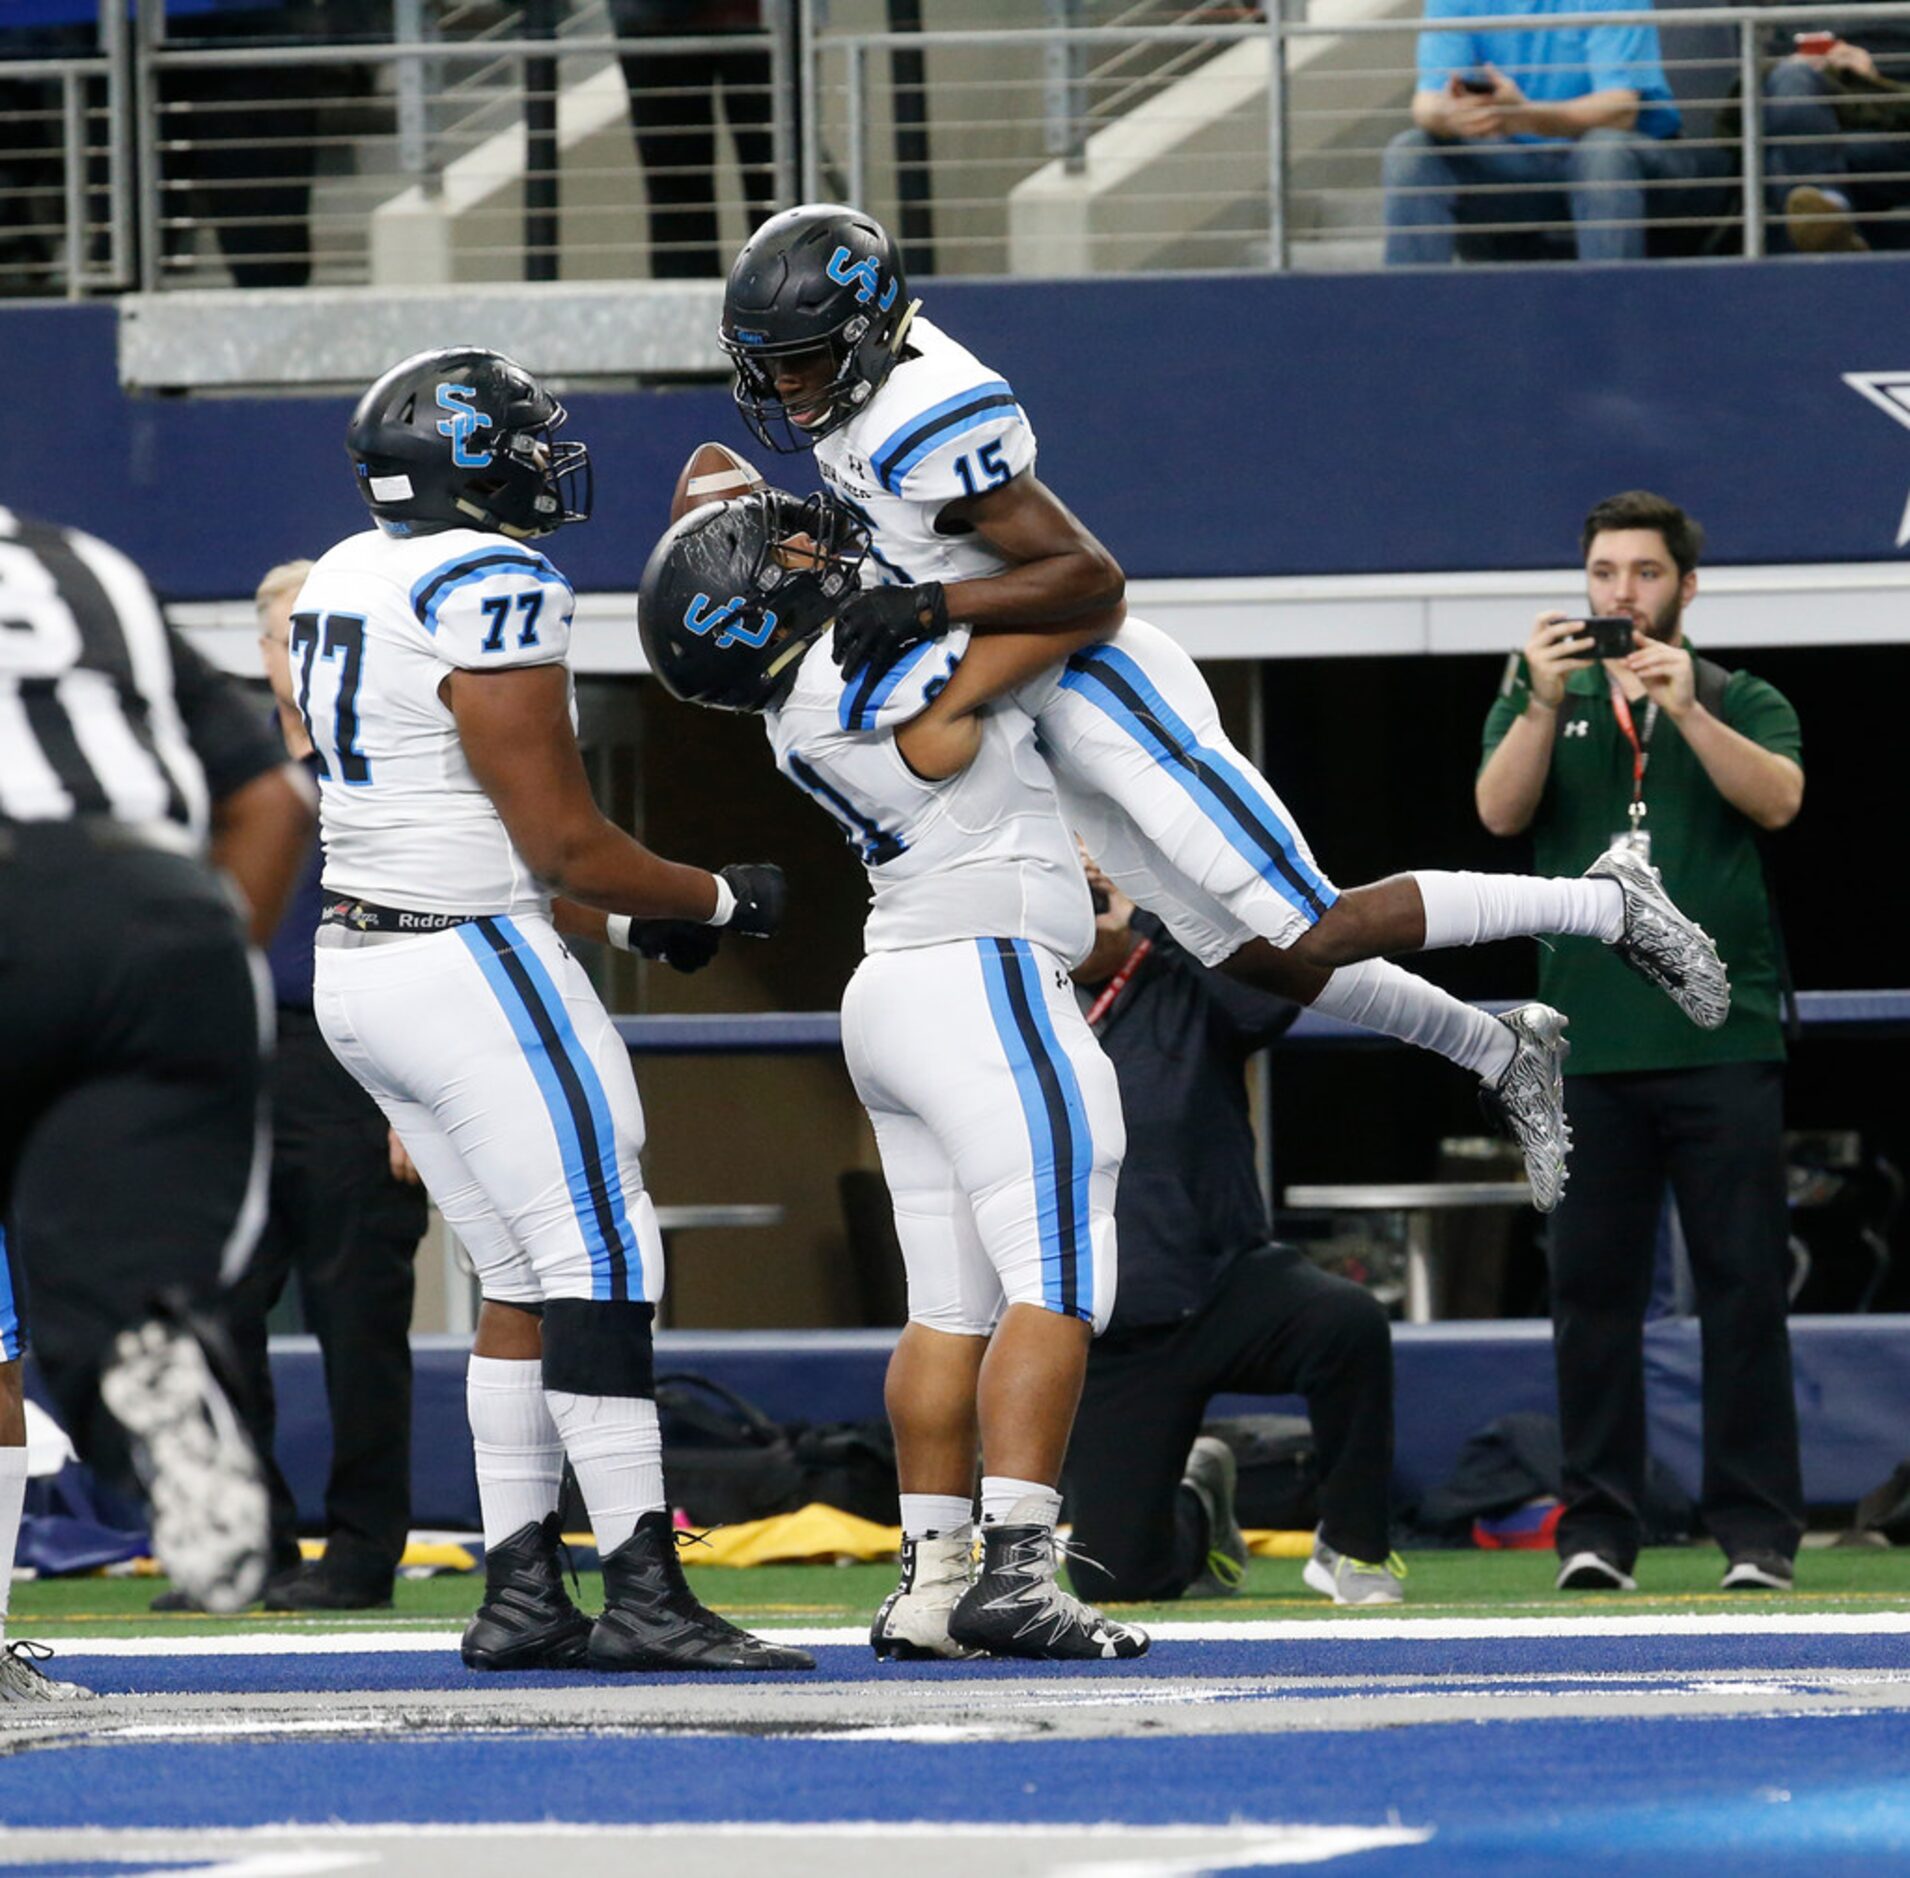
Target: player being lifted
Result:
[[996, 1113], [429, 662], [931, 450]]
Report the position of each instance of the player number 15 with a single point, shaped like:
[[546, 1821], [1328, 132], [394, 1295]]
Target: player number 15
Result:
[[994, 470]]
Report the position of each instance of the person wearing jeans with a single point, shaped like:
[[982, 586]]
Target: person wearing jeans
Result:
[[1837, 144], [1536, 125]]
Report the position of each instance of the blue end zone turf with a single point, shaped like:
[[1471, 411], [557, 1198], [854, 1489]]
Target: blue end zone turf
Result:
[[1629, 1789], [1524, 1789]]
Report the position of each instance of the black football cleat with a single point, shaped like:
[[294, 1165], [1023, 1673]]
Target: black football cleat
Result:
[[527, 1620], [1015, 1607], [653, 1620]]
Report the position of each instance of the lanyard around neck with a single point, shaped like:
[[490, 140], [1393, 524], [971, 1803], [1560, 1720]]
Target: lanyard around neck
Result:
[[1119, 982], [1640, 744]]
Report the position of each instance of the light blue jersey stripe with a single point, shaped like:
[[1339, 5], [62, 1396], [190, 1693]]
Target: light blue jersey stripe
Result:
[[570, 1143], [1051, 1114], [430, 593], [1251, 829], [11, 1340], [856, 711], [928, 430]]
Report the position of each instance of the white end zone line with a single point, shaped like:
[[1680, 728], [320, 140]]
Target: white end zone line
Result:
[[1272, 1630]]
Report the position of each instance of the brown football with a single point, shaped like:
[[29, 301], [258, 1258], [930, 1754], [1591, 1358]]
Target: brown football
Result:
[[714, 473]]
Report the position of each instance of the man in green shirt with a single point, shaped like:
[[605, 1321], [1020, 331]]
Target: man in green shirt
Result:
[[1581, 753]]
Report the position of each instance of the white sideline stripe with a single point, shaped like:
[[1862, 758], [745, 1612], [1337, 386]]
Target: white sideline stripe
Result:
[[1274, 1630], [216, 1837]]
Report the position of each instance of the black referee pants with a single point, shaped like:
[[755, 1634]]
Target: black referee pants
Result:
[[129, 1098], [1276, 1325], [1717, 1135], [349, 1231]]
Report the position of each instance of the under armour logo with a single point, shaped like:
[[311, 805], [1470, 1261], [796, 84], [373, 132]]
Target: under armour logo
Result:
[[1577, 727], [703, 616], [864, 275], [464, 423]]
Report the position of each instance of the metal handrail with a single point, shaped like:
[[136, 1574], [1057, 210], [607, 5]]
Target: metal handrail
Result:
[[1751, 23], [1328, 29], [132, 56]]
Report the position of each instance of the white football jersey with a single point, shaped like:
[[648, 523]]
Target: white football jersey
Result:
[[942, 426], [981, 854], [378, 624]]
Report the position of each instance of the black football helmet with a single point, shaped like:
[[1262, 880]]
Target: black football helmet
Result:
[[815, 277], [463, 437], [738, 591]]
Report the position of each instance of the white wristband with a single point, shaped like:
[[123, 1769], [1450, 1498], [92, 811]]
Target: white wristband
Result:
[[725, 903], [617, 931]]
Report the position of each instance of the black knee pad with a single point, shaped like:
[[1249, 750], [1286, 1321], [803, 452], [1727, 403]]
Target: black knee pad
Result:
[[599, 1348]]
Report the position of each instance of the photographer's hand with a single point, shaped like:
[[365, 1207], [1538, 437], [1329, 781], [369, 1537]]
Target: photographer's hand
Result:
[[1556, 649], [1667, 675]]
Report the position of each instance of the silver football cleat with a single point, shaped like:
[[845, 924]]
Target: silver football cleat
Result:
[[1528, 1100], [209, 1508], [23, 1680], [1662, 944]]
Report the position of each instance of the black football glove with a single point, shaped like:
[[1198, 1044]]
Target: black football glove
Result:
[[681, 944], [760, 893], [878, 624]]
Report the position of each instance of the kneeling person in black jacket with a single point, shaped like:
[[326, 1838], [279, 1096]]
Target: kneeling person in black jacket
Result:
[[1207, 1305]]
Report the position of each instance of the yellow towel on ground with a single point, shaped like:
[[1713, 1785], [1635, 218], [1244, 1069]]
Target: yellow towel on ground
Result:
[[826, 1533]]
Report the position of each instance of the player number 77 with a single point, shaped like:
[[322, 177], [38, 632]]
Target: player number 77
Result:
[[529, 604]]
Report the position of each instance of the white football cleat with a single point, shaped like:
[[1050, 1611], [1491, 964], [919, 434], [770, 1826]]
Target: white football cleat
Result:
[[912, 1624]]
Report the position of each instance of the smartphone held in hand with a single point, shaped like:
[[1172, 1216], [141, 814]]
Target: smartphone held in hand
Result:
[[1611, 638]]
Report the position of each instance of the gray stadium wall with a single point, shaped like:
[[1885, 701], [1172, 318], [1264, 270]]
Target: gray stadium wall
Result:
[[1212, 425]]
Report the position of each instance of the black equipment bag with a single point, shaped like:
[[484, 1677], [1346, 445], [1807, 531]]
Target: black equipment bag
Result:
[[1278, 1488], [725, 1461]]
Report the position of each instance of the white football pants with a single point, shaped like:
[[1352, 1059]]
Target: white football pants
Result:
[[495, 1061], [999, 1122]]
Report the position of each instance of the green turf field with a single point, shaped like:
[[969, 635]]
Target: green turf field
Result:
[[1446, 1584]]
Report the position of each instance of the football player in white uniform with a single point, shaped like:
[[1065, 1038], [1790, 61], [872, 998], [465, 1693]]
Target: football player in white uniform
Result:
[[933, 451], [996, 1113], [429, 663]]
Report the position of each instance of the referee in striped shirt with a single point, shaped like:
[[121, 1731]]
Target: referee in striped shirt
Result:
[[146, 821]]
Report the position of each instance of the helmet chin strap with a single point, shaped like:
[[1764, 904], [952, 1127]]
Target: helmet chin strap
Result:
[[902, 326]]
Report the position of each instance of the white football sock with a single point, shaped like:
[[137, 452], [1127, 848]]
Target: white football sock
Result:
[[520, 1459], [1470, 909], [1018, 1502], [616, 1448], [1379, 995], [13, 1494], [936, 1516]]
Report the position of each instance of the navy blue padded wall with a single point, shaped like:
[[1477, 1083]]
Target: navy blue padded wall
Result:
[[1211, 425]]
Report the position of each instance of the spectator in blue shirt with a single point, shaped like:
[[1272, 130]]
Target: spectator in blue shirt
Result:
[[1541, 124]]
